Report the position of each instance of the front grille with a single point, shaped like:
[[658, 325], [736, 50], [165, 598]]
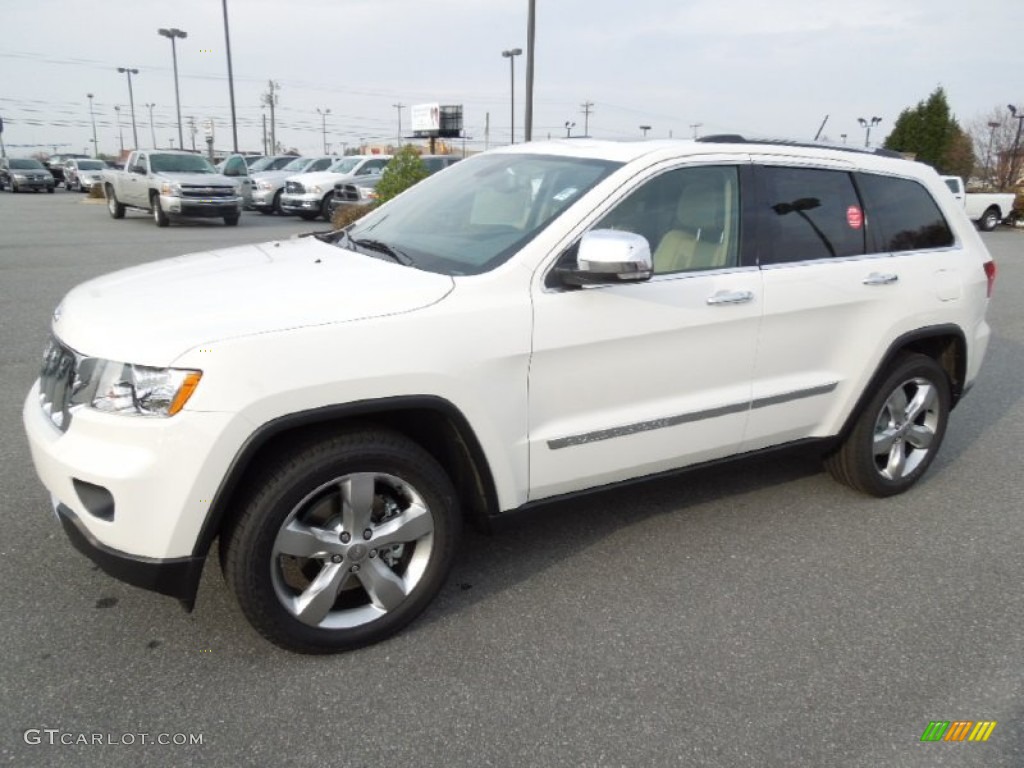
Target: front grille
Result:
[[206, 192], [346, 192], [294, 188], [58, 382]]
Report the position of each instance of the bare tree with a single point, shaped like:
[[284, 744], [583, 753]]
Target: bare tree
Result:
[[993, 134]]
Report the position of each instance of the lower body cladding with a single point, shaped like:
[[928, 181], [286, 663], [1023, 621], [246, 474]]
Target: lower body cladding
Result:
[[131, 493], [198, 207]]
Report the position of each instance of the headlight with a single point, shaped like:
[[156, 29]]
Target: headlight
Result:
[[264, 185], [20, 176], [137, 390], [367, 193], [316, 189], [171, 188]]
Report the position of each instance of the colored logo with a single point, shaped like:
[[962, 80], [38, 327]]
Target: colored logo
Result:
[[958, 730]]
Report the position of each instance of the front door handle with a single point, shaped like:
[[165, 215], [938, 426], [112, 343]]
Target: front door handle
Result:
[[879, 278], [730, 297]]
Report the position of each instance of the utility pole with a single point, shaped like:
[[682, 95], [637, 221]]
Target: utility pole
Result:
[[270, 99], [92, 115], [487, 131], [399, 107], [120, 133], [152, 130], [192, 130], [531, 28], [323, 125], [231, 77], [645, 129], [587, 109], [695, 126], [128, 71], [265, 134]]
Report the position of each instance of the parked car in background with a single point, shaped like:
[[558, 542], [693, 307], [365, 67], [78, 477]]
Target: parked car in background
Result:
[[21, 173], [363, 191], [82, 173], [270, 163], [172, 184], [235, 167], [310, 195], [55, 164], [268, 186], [986, 209]]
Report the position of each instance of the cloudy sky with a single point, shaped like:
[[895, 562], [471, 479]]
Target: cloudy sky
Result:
[[748, 66]]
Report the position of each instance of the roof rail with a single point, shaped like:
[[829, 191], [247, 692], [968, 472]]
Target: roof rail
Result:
[[735, 138]]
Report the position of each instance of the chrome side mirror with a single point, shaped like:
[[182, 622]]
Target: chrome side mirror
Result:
[[609, 256]]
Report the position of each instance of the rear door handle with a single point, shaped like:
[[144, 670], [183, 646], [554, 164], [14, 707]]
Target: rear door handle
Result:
[[879, 278], [730, 297]]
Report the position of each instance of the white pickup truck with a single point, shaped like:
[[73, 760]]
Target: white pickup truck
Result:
[[172, 184], [986, 209]]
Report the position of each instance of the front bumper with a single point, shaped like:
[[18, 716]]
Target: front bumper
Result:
[[33, 183], [262, 199], [201, 207], [174, 577], [306, 203]]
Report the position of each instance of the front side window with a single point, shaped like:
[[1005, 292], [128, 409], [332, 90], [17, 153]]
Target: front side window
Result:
[[320, 165], [180, 164], [808, 214], [345, 165], [689, 216], [903, 215], [480, 212]]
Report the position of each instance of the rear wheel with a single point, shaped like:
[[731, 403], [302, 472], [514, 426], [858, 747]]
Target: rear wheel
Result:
[[115, 208], [277, 202], [325, 207], [989, 220], [343, 543], [899, 431]]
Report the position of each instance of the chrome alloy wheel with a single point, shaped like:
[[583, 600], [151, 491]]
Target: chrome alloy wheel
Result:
[[352, 550], [905, 428]]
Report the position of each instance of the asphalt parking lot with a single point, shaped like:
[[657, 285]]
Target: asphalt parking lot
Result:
[[753, 614]]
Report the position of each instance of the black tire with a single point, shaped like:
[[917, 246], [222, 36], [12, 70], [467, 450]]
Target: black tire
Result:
[[397, 491], [265, 211], [308, 215], [232, 221], [114, 208], [898, 432], [159, 215], [325, 206], [989, 220], [69, 186], [14, 187], [50, 190], [276, 208]]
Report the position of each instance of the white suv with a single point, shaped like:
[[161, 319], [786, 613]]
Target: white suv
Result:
[[538, 320]]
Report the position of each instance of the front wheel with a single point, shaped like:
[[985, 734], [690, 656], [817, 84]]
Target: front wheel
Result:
[[232, 221], [159, 215], [989, 220], [343, 543], [115, 208], [899, 431]]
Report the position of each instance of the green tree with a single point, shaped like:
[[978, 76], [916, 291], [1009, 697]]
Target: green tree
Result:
[[404, 170], [930, 131]]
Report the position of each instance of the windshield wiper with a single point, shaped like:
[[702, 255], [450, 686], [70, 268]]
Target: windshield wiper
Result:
[[382, 247]]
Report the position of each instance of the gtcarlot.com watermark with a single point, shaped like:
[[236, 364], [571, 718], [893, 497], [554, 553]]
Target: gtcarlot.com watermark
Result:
[[58, 737]]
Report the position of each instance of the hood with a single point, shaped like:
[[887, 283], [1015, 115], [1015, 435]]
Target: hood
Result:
[[322, 179], [273, 175], [152, 314]]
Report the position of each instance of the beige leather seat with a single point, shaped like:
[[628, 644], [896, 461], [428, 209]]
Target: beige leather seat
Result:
[[701, 235]]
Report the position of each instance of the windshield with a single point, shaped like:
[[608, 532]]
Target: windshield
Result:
[[345, 165], [26, 164], [90, 165], [270, 164], [298, 164], [481, 211], [180, 164]]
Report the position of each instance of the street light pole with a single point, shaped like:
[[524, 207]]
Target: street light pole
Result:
[[172, 34], [511, 56], [531, 28], [231, 77], [867, 128], [152, 130], [399, 106], [131, 100], [120, 133], [645, 129], [92, 116], [323, 125], [1011, 179]]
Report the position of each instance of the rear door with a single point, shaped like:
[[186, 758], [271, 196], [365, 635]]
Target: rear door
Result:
[[847, 267]]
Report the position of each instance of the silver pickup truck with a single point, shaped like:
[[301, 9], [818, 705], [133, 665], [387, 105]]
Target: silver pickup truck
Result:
[[170, 185]]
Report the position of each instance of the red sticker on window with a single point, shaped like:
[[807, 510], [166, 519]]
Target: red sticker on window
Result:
[[854, 217]]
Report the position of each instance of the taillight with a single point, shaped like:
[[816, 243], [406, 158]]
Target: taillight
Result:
[[990, 274]]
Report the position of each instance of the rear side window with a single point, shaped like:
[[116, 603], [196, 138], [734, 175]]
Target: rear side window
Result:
[[902, 214], [808, 214]]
